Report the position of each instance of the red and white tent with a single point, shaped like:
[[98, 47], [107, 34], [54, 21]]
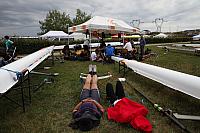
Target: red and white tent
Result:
[[104, 24]]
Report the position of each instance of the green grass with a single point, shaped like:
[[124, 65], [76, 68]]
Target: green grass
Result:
[[50, 110]]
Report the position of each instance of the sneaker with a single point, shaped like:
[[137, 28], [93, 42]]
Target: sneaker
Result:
[[94, 69], [90, 69]]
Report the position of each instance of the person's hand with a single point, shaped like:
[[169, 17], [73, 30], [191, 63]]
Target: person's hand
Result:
[[102, 110], [84, 100], [74, 110], [87, 100]]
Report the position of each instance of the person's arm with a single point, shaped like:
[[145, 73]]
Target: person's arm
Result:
[[98, 105], [125, 45], [76, 107]]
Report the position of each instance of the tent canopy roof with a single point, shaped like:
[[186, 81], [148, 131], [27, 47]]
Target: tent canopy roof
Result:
[[78, 36], [57, 34], [104, 24], [161, 35]]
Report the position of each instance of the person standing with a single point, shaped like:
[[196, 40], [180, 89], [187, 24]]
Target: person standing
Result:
[[8, 44], [142, 44]]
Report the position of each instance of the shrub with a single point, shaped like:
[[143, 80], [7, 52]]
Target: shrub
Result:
[[27, 46]]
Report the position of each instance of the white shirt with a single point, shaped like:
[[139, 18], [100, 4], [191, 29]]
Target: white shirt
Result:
[[128, 46], [93, 56]]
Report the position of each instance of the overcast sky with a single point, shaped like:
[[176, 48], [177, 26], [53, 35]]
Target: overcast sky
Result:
[[21, 17]]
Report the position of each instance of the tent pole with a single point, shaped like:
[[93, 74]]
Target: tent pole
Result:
[[90, 37], [68, 34], [123, 37]]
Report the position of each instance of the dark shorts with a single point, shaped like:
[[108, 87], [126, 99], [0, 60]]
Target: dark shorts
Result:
[[93, 94]]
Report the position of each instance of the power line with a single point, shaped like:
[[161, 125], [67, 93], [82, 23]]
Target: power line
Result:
[[159, 22], [136, 23], [182, 11]]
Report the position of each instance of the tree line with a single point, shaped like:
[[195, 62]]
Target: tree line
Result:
[[56, 20]]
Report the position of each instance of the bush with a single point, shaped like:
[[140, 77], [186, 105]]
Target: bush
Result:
[[167, 40], [27, 46]]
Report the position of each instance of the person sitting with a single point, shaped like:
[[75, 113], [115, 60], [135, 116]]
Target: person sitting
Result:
[[93, 56], [88, 112], [101, 50], [129, 48], [85, 54], [109, 51], [66, 52], [124, 110], [99, 55], [3, 62]]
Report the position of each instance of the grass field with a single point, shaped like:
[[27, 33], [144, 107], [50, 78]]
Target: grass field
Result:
[[50, 110]]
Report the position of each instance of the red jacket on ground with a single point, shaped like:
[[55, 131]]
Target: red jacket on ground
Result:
[[127, 111]]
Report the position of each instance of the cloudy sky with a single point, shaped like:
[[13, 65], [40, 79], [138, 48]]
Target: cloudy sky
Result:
[[21, 17]]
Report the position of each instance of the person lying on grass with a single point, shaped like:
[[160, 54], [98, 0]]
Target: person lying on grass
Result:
[[88, 112], [124, 110]]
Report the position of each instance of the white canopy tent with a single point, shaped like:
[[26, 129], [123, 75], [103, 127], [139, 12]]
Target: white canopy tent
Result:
[[56, 34], [99, 24], [104, 24], [161, 35], [197, 37], [78, 36]]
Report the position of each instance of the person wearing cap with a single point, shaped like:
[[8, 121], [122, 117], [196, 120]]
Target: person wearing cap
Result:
[[87, 113]]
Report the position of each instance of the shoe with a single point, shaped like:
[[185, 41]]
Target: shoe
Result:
[[119, 92], [90, 69], [110, 95], [94, 69]]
